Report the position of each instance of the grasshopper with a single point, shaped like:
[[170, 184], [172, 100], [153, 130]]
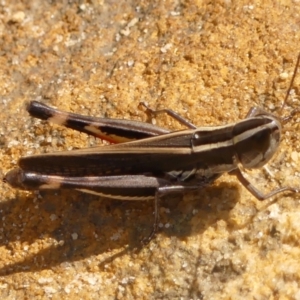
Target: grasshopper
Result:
[[147, 161]]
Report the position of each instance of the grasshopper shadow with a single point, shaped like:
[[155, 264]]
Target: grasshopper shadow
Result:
[[76, 225]]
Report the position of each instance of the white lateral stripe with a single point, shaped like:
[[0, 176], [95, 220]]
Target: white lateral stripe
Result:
[[117, 197], [230, 142]]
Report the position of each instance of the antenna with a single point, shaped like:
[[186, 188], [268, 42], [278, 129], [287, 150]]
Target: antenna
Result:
[[292, 82]]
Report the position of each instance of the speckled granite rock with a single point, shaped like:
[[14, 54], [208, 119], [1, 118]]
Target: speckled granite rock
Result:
[[209, 61]]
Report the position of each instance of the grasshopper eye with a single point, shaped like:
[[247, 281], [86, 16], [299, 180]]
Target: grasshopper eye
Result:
[[255, 147]]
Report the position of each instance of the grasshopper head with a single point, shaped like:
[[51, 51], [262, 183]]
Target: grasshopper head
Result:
[[256, 139]]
